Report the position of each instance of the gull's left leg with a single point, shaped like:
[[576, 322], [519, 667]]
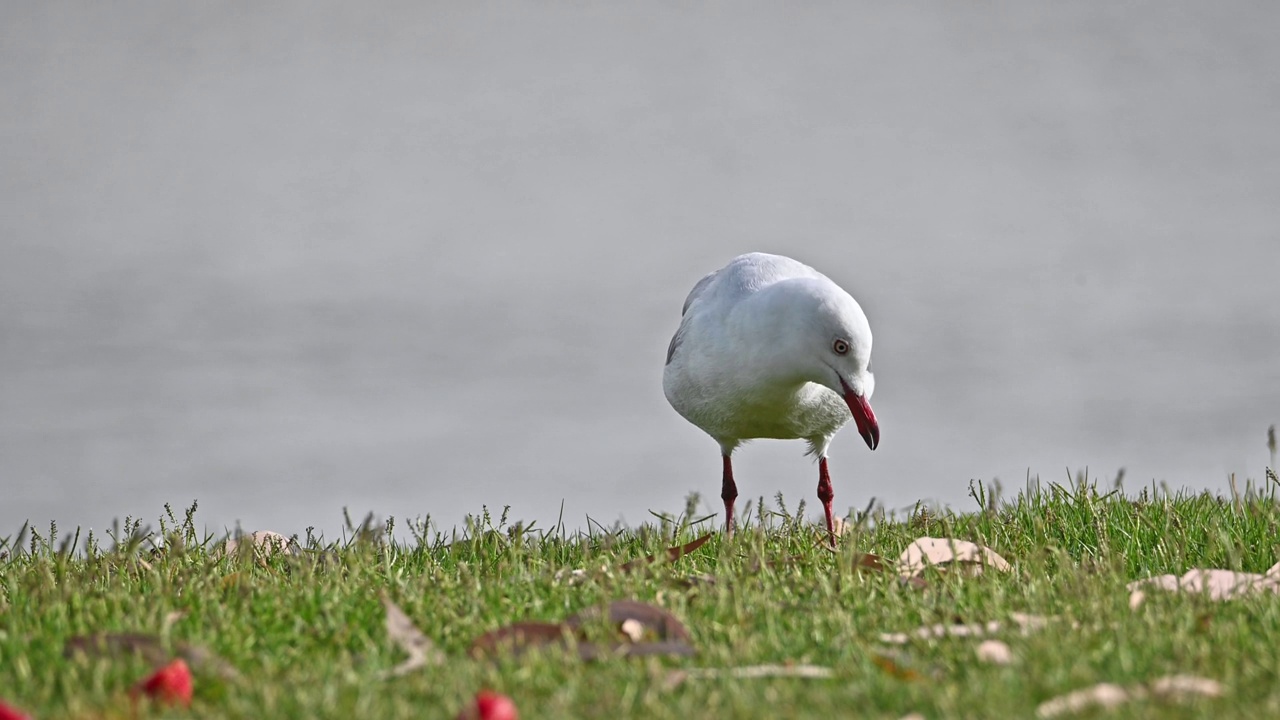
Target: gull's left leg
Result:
[[826, 495]]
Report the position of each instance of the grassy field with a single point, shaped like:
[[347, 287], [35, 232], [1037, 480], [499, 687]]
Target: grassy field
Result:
[[303, 636]]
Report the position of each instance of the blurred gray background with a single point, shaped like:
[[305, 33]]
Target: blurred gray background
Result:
[[415, 258]]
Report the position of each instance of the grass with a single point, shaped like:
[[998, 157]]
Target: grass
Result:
[[306, 633]]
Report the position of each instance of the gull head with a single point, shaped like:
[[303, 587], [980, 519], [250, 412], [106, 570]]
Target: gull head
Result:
[[824, 337]]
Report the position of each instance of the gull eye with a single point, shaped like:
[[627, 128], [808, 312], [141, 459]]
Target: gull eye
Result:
[[840, 346]]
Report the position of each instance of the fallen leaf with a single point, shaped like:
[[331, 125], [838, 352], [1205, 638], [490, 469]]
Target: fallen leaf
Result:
[[489, 705], [994, 652], [941, 630], [1108, 695], [1024, 622], [672, 554], [651, 618], [519, 637], [1105, 695], [593, 651], [1180, 686], [895, 669], [927, 551], [640, 620], [150, 648], [815, 672], [1027, 623], [1217, 585], [869, 561], [416, 645], [171, 684]]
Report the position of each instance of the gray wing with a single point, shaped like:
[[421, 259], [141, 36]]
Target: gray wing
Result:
[[697, 290]]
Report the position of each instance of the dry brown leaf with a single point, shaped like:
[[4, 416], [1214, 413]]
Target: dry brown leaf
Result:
[[151, 648], [753, 672], [416, 645], [1179, 686], [1108, 695], [869, 561], [1105, 695], [892, 667], [520, 637], [938, 552], [994, 652], [651, 619], [1216, 584], [1025, 623], [941, 630], [672, 554], [592, 651], [634, 620]]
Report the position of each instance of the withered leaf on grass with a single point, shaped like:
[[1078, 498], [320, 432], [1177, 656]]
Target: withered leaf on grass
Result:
[[519, 637], [651, 618], [150, 648], [1024, 622], [416, 645], [948, 552], [750, 672], [894, 668], [994, 652], [672, 554], [1216, 584], [98, 645], [869, 561], [643, 629], [1109, 695]]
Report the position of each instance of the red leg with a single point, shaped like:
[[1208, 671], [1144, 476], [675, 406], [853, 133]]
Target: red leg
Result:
[[728, 493], [826, 495]]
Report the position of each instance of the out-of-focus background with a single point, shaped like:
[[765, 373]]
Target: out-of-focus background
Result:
[[416, 258]]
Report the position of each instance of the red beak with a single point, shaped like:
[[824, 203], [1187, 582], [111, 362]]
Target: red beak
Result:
[[865, 419]]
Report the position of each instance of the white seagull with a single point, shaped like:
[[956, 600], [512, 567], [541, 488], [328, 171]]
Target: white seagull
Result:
[[768, 347]]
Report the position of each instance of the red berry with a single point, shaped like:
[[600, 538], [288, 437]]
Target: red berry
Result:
[[11, 713], [170, 684], [490, 705]]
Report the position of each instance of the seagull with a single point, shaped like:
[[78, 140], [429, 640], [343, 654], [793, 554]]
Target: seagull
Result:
[[768, 347]]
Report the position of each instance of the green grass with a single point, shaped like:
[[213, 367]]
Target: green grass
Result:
[[307, 635]]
